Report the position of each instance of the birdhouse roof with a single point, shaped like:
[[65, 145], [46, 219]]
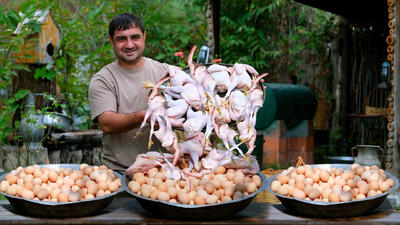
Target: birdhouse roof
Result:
[[39, 16]]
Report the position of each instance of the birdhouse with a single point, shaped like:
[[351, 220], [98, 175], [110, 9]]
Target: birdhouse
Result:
[[39, 48]]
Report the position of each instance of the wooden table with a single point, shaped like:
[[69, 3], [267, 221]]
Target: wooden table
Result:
[[126, 210]]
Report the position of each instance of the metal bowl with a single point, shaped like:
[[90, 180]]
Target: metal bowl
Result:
[[57, 209], [195, 212], [333, 209]]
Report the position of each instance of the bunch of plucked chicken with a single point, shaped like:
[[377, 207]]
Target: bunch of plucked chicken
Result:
[[216, 101]]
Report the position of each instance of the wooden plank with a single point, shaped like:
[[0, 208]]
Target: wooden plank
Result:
[[127, 211]]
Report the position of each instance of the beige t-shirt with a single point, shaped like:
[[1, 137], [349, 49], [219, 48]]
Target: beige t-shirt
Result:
[[121, 90]]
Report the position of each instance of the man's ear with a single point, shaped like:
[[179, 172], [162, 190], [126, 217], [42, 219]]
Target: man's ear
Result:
[[144, 35], [111, 41]]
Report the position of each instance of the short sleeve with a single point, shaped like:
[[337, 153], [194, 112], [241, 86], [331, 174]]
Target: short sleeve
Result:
[[102, 97]]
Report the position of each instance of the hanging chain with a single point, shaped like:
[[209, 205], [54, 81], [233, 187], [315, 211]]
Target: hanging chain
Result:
[[390, 39]]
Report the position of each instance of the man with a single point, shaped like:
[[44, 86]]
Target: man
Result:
[[117, 98]]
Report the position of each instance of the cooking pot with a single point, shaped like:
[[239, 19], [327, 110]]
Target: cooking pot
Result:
[[57, 121]]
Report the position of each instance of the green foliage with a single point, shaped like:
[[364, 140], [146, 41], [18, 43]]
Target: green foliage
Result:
[[273, 34], [12, 105], [260, 33]]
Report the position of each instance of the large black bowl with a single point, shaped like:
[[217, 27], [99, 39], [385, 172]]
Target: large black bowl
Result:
[[58, 209], [333, 209], [195, 212]]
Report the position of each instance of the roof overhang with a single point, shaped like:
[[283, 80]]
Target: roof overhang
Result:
[[361, 11]]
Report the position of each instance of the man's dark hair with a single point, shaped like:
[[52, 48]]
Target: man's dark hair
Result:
[[125, 21]]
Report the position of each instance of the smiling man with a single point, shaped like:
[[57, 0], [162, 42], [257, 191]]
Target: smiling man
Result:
[[117, 98]]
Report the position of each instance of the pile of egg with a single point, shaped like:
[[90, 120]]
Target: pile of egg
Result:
[[220, 186], [62, 185], [333, 185]]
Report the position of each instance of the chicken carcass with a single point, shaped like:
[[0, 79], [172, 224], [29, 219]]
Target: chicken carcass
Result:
[[145, 161], [195, 121], [194, 147], [178, 76], [188, 92], [237, 105], [176, 109], [221, 76], [240, 79], [168, 139], [247, 134]]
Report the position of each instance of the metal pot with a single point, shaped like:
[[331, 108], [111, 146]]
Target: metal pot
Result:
[[57, 121]]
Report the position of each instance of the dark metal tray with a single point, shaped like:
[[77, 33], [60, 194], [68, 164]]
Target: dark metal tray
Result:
[[332, 209], [195, 212], [57, 209]]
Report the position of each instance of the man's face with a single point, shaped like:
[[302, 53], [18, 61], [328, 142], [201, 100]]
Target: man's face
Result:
[[129, 45]]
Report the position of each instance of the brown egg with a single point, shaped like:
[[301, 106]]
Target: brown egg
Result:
[[53, 176], [390, 182], [80, 183], [315, 177], [257, 180], [299, 194], [354, 166], [238, 178], [324, 176], [373, 185], [229, 189], [163, 196], [74, 196], [326, 192], [220, 170], [359, 170], [339, 171], [346, 196], [55, 192], [199, 200], [43, 193], [371, 193], [209, 187], [211, 199], [4, 185], [12, 179], [29, 170], [333, 197], [62, 197], [104, 186], [230, 176], [240, 187], [314, 193], [154, 193], [384, 187], [299, 186], [113, 186], [283, 190], [83, 166], [92, 188], [340, 181], [308, 181], [360, 196], [237, 195], [100, 193], [145, 191], [251, 187], [184, 198], [300, 170], [88, 170], [283, 179], [226, 198], [27, 194]]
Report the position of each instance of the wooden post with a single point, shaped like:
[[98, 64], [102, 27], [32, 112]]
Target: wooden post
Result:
[[396, 85], [213, 23]]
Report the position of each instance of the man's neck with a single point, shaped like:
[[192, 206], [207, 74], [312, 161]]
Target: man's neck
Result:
[[131, 65]]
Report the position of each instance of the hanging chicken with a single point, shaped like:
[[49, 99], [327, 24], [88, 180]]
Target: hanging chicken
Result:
[[214, 102]]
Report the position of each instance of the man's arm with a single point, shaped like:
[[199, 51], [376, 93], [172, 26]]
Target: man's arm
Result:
[[112, 122]]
